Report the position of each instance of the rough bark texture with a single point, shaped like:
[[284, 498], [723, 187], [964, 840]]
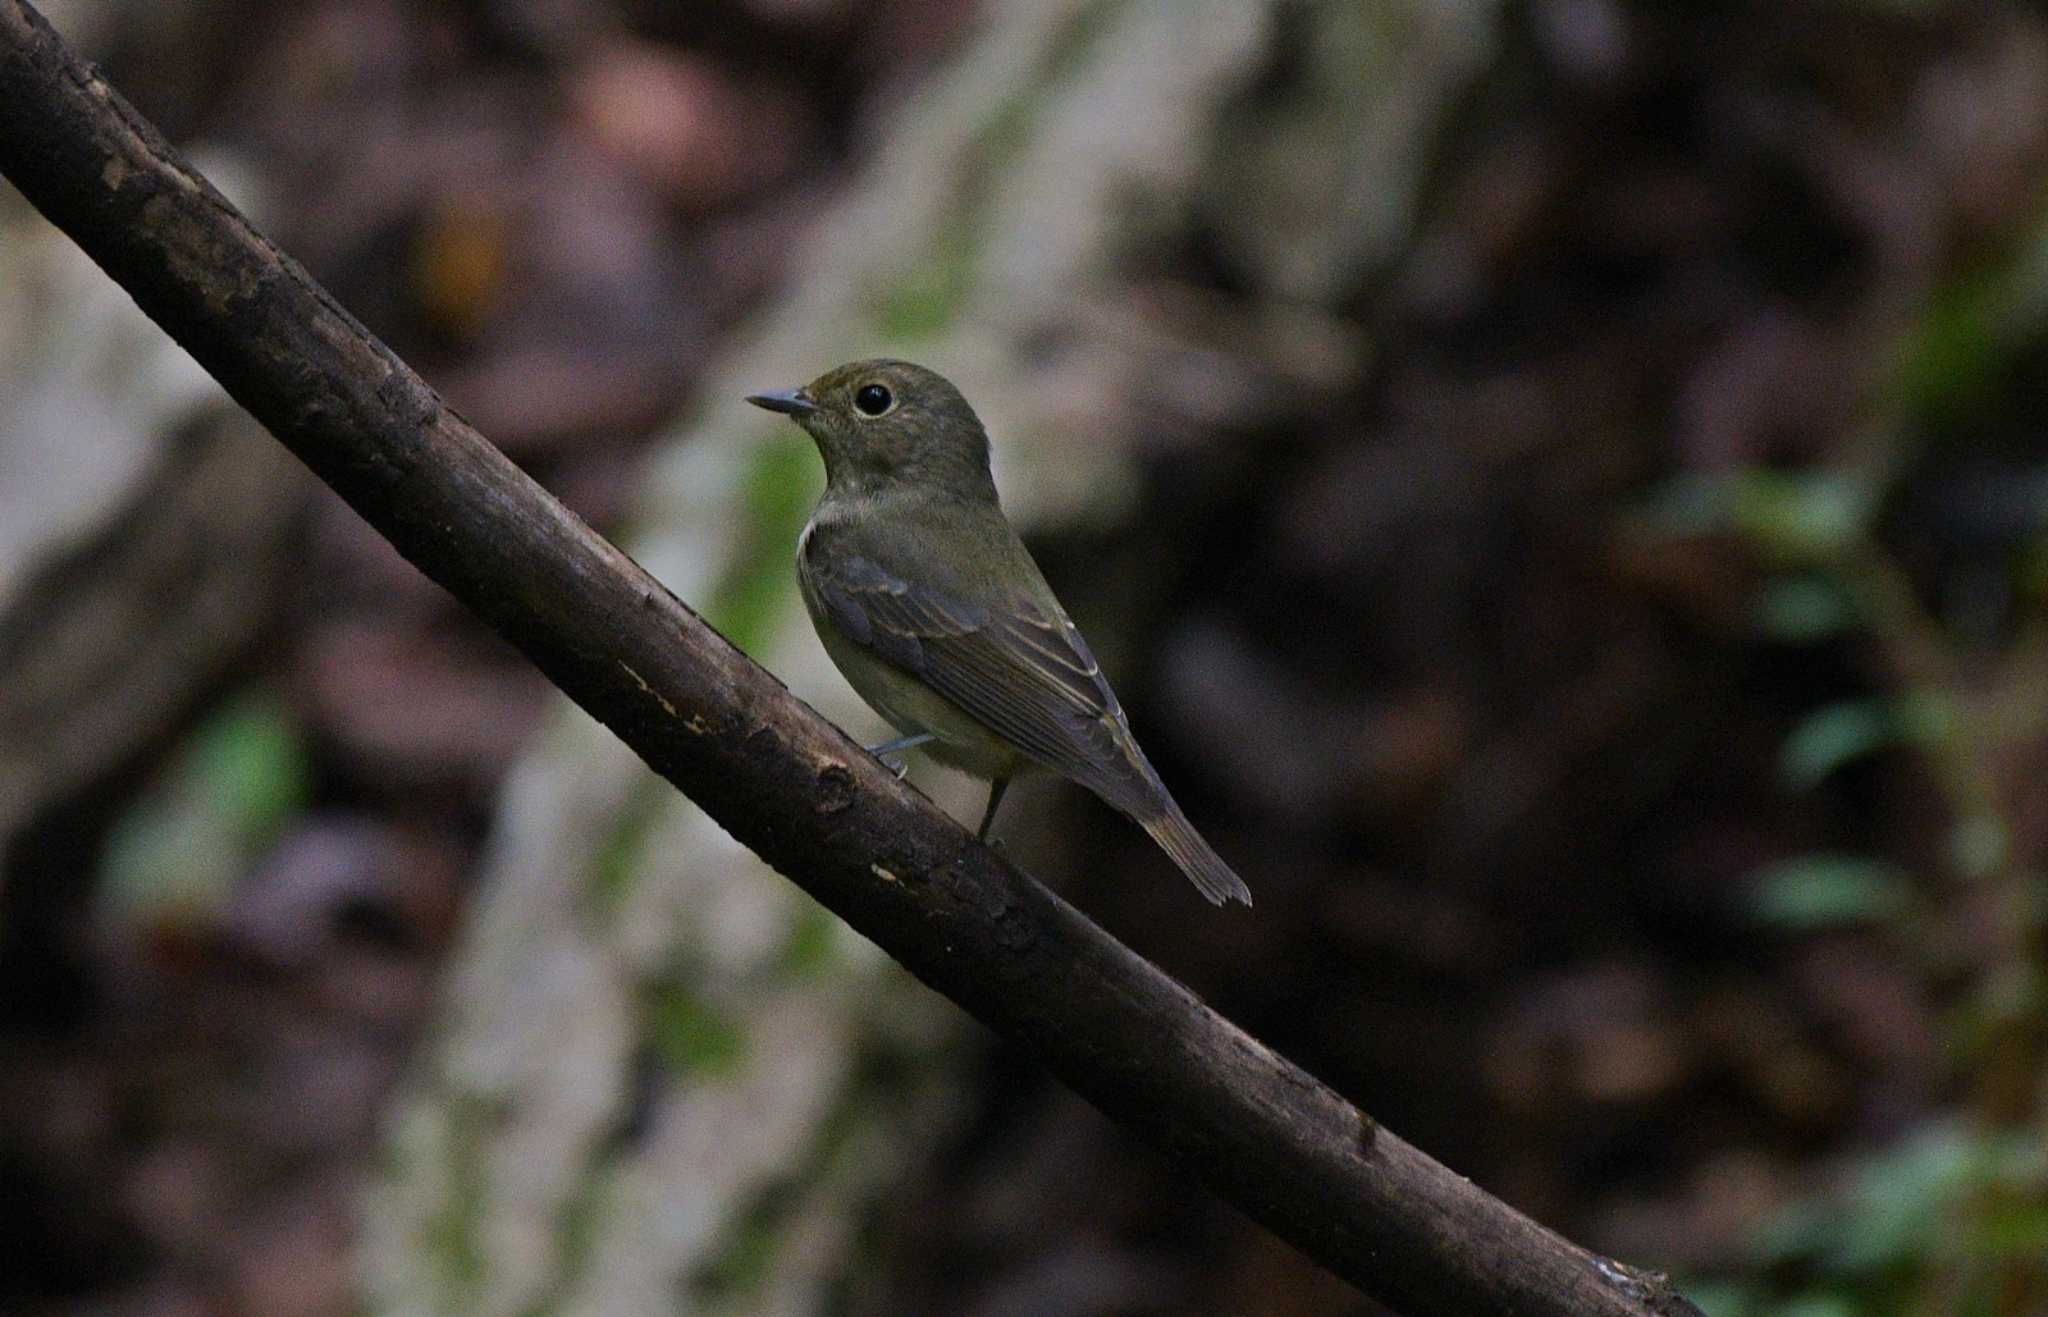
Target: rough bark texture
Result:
[[784, 782]]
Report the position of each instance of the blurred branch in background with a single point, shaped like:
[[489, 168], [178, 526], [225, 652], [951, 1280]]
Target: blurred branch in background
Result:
[[994, 227], [148, 531], [784, 782], [130, 582]]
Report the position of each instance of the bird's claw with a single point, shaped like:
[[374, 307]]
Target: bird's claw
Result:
[[898, 766]]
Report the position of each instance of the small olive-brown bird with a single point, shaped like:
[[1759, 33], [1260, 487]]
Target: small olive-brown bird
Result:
[[934, 610]]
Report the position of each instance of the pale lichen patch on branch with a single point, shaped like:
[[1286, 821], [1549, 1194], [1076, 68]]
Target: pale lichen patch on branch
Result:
[[659, 698]]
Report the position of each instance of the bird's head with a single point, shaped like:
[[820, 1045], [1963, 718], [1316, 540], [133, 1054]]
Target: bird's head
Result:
[[879, 422]]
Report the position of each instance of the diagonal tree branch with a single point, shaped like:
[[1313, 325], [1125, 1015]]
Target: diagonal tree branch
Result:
[[1258, 1129]]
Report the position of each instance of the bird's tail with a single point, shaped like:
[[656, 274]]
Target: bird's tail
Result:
[[1196, 857]]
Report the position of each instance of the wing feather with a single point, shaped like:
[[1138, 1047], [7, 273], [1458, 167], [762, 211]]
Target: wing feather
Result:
[[1025, 674]]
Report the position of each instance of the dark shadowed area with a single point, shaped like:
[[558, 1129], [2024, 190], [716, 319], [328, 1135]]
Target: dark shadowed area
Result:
[[1560, 488]]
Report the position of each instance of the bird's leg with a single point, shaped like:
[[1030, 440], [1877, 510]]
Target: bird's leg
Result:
[[901, 743], [988, 816]]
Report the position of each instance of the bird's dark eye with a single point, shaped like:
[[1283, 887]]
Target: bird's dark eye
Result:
[[872, 400]]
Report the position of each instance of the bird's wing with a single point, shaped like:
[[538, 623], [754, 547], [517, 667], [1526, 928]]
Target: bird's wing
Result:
[[1014, 664]]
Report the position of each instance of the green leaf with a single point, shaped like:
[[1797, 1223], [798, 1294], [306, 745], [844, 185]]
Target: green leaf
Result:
[[1800, 517], [1832, 736], [690, 1035], [776, 498], [1797, 1231], [1900, 1212], [1836, 734], [251, 765], [1820, 891], [1801, 610], [1806, 518], [1901, 1199], [1974, 330], [812, 944], [184, 844]]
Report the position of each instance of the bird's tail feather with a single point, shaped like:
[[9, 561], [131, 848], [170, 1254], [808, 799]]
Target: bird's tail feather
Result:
[[1196, 858]]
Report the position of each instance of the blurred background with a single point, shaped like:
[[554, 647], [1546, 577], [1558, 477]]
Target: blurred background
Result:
[[1558, 484]]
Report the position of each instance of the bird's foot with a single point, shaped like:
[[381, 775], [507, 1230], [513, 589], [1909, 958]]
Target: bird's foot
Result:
[[898, 766]]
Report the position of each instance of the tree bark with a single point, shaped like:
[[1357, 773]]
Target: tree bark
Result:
[[1281, 1145]]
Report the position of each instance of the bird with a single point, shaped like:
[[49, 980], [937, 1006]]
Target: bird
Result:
[[938, 617]]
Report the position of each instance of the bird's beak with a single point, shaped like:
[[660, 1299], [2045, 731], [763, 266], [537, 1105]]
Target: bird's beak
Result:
[[790, 402]]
